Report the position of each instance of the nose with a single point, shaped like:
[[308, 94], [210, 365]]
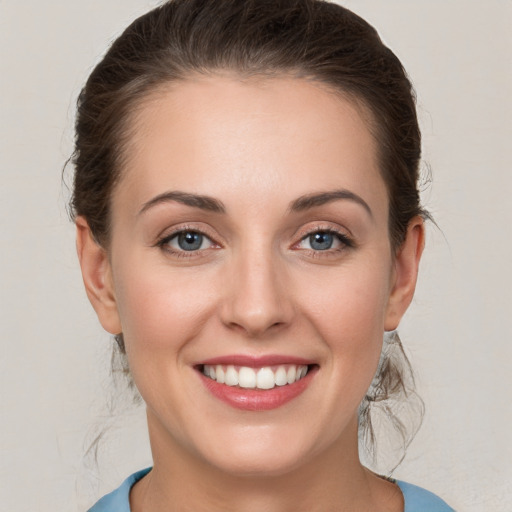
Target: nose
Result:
[[257, 296]]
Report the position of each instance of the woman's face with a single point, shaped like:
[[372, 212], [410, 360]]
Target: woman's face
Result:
[[250, 242]]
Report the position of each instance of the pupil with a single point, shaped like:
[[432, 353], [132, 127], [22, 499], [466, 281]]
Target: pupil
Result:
[[190, 241], [321, 241]]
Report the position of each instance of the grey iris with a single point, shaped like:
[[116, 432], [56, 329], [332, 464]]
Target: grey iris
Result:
[[190, 241], [321, 241]]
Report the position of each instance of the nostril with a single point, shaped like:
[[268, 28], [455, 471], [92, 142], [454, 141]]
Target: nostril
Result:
[[256, 304]]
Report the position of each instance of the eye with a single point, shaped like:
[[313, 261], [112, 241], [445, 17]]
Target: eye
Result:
[[188, 241], [324, 240], [321, 241]]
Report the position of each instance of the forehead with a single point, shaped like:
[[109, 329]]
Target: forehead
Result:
[[267, 139]]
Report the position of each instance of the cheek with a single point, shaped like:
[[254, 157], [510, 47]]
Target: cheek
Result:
[[348, 312], [346, 303], [162, 308], [161, 311]]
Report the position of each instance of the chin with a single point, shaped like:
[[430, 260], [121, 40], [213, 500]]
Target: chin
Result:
[[261, 465], [260, 452]]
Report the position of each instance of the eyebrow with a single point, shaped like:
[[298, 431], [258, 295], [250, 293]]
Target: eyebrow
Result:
[[318, 199], [194, 200], [211, 204]]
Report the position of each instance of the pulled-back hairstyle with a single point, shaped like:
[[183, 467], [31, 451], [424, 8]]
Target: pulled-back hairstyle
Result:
[[308, 39]]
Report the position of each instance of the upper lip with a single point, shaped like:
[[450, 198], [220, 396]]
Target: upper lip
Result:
[[255, 361]]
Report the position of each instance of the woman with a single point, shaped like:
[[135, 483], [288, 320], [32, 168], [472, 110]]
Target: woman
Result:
[[249, 228]]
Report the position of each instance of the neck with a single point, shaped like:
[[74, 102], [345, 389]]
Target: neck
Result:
[[332, 480]]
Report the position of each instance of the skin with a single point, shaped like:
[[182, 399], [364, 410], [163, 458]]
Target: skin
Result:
[[255, 287]]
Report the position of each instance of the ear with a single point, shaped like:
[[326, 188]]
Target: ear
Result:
[[97, 276], [406, 265]]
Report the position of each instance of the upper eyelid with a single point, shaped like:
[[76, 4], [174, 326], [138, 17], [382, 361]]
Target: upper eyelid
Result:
[[171, 236], [344, 237], [169, 233], [300, 234], [324, 227], [167, 239], [163, 244]]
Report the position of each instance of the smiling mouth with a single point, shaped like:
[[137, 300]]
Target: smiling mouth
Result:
[[266, 377]]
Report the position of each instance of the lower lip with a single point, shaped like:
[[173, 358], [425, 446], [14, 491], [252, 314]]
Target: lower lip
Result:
[[258, 399]]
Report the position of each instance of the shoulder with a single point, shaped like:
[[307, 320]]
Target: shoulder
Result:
[[420, 500], [119, 500], [416, 499]]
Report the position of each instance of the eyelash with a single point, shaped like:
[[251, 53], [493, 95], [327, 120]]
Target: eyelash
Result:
[[163, 243], [346, 242]]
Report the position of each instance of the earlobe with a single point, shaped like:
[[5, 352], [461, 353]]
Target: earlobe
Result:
[[406, 265], [97, 277]]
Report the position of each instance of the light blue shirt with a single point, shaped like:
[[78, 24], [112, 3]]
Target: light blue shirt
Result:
[[416, 499]]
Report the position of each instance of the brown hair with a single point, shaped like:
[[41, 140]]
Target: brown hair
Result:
[[310, 39]]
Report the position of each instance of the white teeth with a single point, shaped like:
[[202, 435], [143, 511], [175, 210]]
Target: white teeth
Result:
[[231, 377], [250, 378], [265, 379], [290, 374], [281, 378], [220, 375], [246, 378]]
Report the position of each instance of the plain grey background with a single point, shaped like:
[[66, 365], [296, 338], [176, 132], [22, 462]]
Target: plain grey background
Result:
[[54, 356]]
